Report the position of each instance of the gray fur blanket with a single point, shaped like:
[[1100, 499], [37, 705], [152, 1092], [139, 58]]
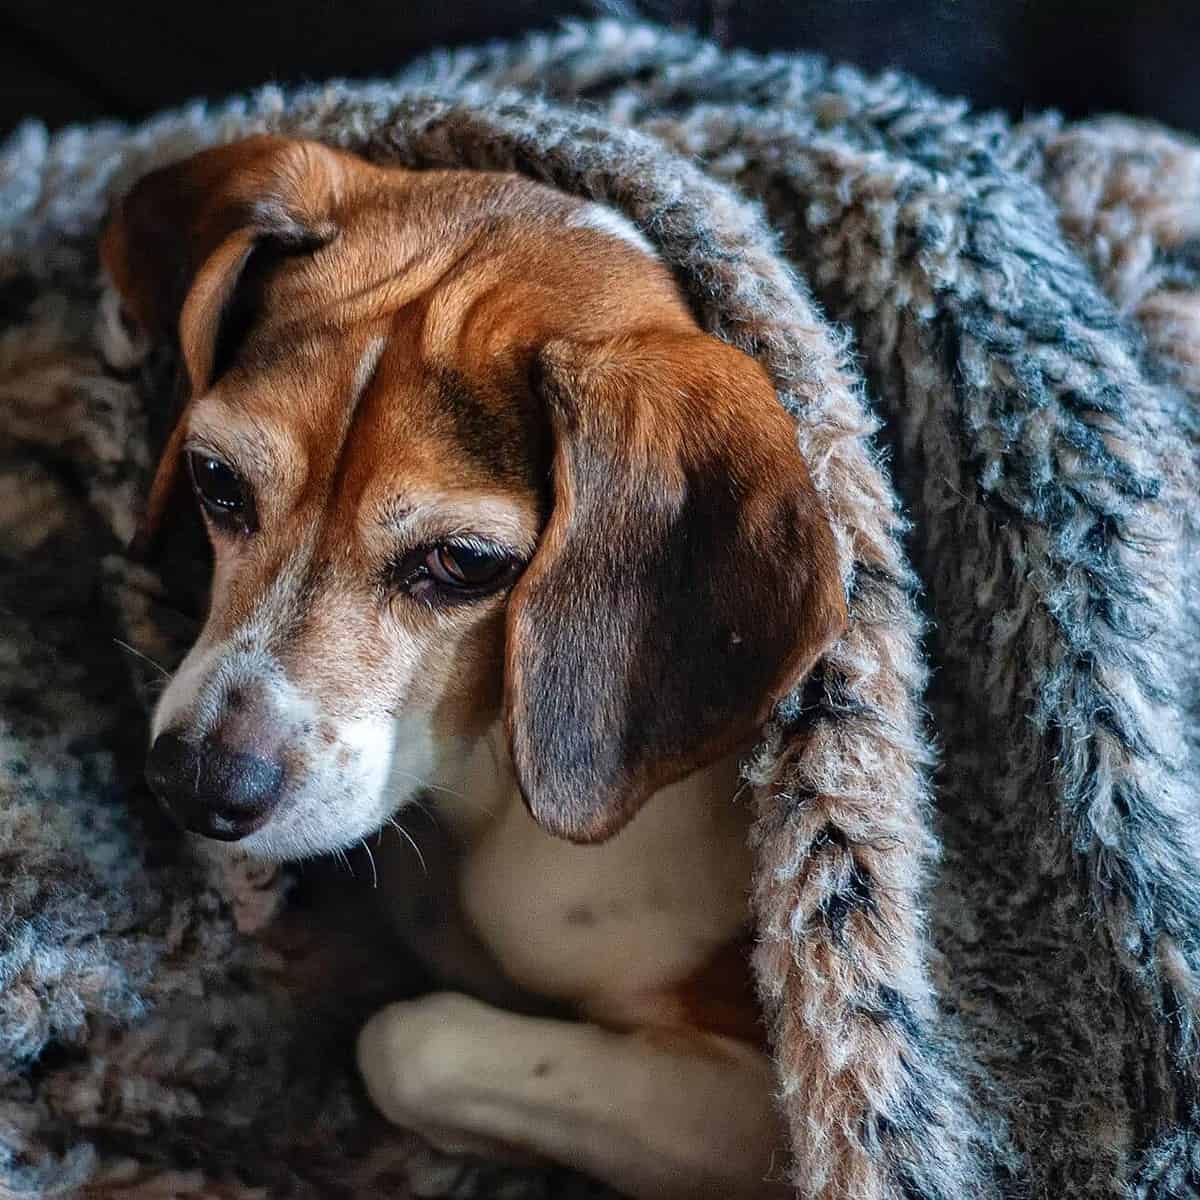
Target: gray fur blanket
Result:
[[979, 967]]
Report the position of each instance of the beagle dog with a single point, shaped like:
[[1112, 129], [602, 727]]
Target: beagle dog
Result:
[[499, 532]]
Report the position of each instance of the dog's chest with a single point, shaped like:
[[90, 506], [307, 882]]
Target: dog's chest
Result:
[[614, 928]]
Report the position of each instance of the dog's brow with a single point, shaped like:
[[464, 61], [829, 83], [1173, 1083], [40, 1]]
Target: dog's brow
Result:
[[435, 517], [395, 515], [251, 446]]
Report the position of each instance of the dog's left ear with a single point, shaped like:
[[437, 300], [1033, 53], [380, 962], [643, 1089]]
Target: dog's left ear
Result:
[[178, 247], [686, 580]]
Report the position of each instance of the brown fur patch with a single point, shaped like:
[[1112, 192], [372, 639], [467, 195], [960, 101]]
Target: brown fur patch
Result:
[[719, 996]]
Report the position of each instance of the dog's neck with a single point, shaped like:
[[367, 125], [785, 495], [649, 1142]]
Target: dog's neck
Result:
[[612, 929]]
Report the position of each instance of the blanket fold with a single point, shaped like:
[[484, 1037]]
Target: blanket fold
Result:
[[979, 979]]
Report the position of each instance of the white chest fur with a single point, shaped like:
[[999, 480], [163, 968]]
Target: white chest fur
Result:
[[608, 926]]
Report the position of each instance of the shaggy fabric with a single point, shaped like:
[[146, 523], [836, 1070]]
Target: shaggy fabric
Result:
[[979, 981]]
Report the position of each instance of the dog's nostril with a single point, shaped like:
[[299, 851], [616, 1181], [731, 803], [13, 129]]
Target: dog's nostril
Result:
[[240, 780], [211, 789], [171, 759]]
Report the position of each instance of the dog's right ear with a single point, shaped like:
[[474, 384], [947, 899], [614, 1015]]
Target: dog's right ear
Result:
[[180, 242]]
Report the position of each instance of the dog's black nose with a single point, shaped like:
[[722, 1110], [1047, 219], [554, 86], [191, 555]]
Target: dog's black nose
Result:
[[211, 789]]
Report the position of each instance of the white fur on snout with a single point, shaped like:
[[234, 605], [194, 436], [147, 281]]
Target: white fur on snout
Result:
[[181, 693], [350, 788], [194, 699], [344, 776]]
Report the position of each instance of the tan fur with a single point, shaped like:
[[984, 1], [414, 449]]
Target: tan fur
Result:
[[423, 355]]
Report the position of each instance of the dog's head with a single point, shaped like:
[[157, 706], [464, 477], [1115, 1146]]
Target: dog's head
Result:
[[463, 455]]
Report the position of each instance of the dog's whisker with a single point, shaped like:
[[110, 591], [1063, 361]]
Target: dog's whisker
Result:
[[144, 657], [409, 839], [425, 783], [425, 810], [371, 860]]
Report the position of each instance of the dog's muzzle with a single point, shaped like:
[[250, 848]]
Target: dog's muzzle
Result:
[[211, 789]]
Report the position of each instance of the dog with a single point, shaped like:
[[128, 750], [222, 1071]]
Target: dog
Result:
[[498, 530]]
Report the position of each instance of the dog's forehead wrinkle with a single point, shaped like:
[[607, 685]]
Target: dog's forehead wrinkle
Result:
[[342, 441], [386, 257]]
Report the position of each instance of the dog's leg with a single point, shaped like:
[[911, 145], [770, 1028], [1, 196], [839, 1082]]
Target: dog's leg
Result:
[[656, 1115]]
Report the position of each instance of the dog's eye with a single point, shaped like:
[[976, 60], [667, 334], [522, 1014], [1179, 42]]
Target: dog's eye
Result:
[[463, 566], [453, 572], [220, 489]]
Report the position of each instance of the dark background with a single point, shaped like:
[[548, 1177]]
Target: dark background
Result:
[[76, 61]]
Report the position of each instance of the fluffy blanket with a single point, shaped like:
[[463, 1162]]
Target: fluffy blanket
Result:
[[980, 977]]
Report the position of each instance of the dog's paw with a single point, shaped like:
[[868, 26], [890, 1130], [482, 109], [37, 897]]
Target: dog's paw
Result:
[[414, 1056], [418, 1062]]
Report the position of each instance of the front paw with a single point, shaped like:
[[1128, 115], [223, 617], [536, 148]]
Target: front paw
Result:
[[417, 1061]]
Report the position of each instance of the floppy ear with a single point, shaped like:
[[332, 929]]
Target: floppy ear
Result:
[[686, 579], [178, 245]]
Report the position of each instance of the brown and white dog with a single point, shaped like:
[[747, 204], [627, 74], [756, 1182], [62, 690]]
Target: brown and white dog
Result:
[[495, 524]]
